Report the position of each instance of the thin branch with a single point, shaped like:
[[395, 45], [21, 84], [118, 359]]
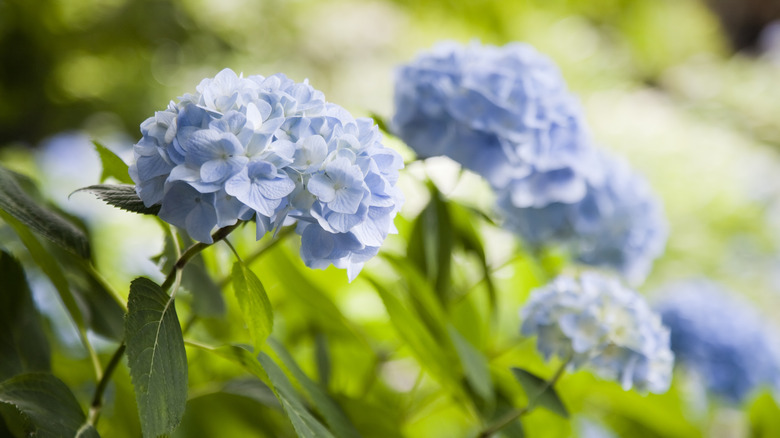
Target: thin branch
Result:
[[514, 415]]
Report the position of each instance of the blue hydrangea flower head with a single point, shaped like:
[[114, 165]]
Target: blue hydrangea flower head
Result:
[[499, 111], [272, 150], [596, 321], [616, 223], [721, 338]]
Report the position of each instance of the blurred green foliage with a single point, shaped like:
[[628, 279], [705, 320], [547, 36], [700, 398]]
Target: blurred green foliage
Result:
[[659, 84]]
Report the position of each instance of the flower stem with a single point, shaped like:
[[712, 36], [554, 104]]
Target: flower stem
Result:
[[192, 251], [173, 277], [97, 399], [517, 413]]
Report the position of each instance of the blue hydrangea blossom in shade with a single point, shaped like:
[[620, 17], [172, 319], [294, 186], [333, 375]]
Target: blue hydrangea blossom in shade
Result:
[[721, 338], [498, 111], [272, 150], [596, 321], [618, 223]]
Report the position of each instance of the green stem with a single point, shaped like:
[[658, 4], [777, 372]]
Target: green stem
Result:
[[192, 251], [517, 413], [97, 399], [173, 277]]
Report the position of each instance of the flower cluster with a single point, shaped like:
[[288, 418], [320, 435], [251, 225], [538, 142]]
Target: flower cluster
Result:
[[499, 111], [273, 150], [617, 223], [720, 338], [595, 320], [505, 113]]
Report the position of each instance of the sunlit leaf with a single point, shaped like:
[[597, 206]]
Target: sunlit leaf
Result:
[[416, 336], [121, 196], [23, 344], [156, 356], [254, 303], [113, 166], [17, 204], [304, 423], [47, 405], [329, 410], [537, 389], [475, 366]]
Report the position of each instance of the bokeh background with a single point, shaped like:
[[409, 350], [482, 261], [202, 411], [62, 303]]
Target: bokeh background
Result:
[[687, 90]]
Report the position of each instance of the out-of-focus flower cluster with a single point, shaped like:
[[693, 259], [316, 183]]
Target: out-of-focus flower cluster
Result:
[[273, 150], [595, 320], [618, 223], [505, 113], [720, 338]]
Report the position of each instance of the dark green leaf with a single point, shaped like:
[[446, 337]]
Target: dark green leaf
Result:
[[207, 297], [537, 389], [329, 410], [475, 366], [23, 344], [17, 204], [121, 196], [304, 423], [254, 303], [113, 166], [50, 267], [48, 406], [431, 243], [156, 356]]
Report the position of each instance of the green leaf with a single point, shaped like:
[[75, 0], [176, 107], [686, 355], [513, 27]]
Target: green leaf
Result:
[[329, 410], [253, 389], [113, 166], [537, 389], [50, 267], [467, 236], [254, 302], [475, 366], [417, 337], [431, 243], [304, 423], [380, 121], [121, 196], [156, 356], [23, 344], [17, 204], [322, 356], [207, 297], [48, 406]]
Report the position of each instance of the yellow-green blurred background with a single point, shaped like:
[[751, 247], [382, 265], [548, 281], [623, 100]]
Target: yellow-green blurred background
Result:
[[688, 91]]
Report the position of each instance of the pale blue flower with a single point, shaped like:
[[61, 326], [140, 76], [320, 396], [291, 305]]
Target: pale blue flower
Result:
[[499, 111], [272, 150], [594, 320], [721, 338], [613, 220]]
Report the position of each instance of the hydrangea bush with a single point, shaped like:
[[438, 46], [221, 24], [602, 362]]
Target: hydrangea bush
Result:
[[275, 151], [721, 338], [505, 113], [595, 320]]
